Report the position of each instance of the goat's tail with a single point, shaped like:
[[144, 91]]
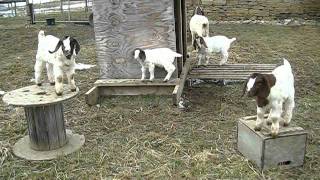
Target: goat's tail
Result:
[[41, 34], [233, 39], [176, 54], [205, 29], [286, 63]]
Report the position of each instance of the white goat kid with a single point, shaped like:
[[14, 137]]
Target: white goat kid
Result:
[[162, 57], [199, 24], [274, 92], [59, 57], [214, 44]]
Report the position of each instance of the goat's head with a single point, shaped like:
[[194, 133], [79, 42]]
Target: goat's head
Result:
[[259, 85], [69, 45], [199, 11], [199, 43], [139, 53]]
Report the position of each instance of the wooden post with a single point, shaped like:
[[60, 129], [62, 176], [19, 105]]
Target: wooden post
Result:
[[30, 12], [46, 127], [69, 15], [86, 7], [15, 9], [61, 6]]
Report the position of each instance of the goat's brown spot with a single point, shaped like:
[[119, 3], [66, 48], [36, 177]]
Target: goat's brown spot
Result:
[[261, 88]]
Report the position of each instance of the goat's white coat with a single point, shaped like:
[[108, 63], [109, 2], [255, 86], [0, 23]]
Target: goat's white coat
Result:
[[162, 57], [56, 63], [199, 25], [281, 98], [216, 44]]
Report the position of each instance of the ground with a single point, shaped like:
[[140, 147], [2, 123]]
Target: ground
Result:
[[147, 137]]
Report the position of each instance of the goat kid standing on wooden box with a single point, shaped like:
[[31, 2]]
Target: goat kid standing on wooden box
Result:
[[274, 92]]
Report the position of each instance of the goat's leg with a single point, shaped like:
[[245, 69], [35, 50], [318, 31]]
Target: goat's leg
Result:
[[151, 71], [260, 118], [287, 114], [275, 117], [224, 59], [58, 78], [143, 73], [200, 59], [38, 67], [170, 69], [71, 82], [192, 40], [50, 73], [206, 57]]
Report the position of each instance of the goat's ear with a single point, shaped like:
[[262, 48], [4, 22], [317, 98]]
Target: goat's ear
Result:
[[245, 87], [203, 42], [60, 43], [270, 79], [142, 55], [76, 45], [195, 44]]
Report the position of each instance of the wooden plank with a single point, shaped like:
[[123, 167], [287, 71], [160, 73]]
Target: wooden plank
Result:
[[135, 82], [42, 134], [183, 78], [179, 38], [227, 71], [92, 96], [218, 77], [239, 65], [122, 26], [135, 90], [52, 127], [234, 68], [58, 111], [31, 127], [184, 30], [174, 95]]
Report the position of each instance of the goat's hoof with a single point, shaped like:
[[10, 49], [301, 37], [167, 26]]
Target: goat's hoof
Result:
[[52, 83], [39, 84], [285, 124], [256, 128], [274, 134], [269, 123], [59, 93], [165, 80], [73, 90]]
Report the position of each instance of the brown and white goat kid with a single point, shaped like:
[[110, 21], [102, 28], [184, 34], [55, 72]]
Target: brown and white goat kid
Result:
[[274, 92], [59, 57]]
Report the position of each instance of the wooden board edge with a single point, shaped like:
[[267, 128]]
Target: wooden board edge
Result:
[[175, 99], [183, 77], [92, 96]]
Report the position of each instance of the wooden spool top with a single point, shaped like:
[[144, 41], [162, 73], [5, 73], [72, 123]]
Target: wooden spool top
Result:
[[37, 95]]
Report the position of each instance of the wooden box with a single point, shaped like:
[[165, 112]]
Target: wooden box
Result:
[[287, 150]]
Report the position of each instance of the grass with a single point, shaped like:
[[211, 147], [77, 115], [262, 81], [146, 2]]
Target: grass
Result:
[[146, 137]]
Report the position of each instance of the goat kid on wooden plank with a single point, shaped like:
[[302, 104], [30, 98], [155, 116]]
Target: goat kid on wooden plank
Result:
[[59, 57], [199, 24], [214, 44], [274, 92], [162, 57]]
